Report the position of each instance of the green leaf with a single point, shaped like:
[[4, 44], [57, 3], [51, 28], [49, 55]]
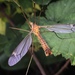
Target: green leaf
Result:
[[26, 5], [42, 2], [61, 11], [2, 0], [3, 57], [2, 27], [3, 42]]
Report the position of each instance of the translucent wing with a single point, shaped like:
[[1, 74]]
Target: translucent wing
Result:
[[62, 28], [20, 50]]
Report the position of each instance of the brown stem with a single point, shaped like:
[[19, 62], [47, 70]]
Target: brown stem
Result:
[[38, 63], [63, 67], [4, 14]]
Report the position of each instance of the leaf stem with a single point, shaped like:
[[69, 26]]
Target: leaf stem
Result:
[[63, 67]]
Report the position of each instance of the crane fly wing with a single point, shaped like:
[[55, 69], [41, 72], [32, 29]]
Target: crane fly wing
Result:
[[14, 59], [20, 50], [27, 45], [62, 28]]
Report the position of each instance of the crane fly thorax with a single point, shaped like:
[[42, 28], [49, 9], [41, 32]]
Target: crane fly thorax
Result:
[[35, 29]]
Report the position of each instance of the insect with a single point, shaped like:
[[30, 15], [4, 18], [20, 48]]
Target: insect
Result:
[[23, 47]]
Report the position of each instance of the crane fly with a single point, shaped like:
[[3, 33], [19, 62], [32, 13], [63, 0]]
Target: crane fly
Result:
[[23, 47]]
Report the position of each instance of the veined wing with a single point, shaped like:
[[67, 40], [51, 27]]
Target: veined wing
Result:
[[62, 28], [20, 50]]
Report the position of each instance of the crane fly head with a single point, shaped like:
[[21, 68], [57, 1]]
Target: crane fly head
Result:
[[34, 28]]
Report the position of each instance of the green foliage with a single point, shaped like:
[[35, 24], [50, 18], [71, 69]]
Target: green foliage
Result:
[[62, 12], [2, 27], [62, 45], [42, 2]]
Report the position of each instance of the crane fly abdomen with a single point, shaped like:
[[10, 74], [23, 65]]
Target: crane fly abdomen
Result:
[[44, 45], [35, 30]]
